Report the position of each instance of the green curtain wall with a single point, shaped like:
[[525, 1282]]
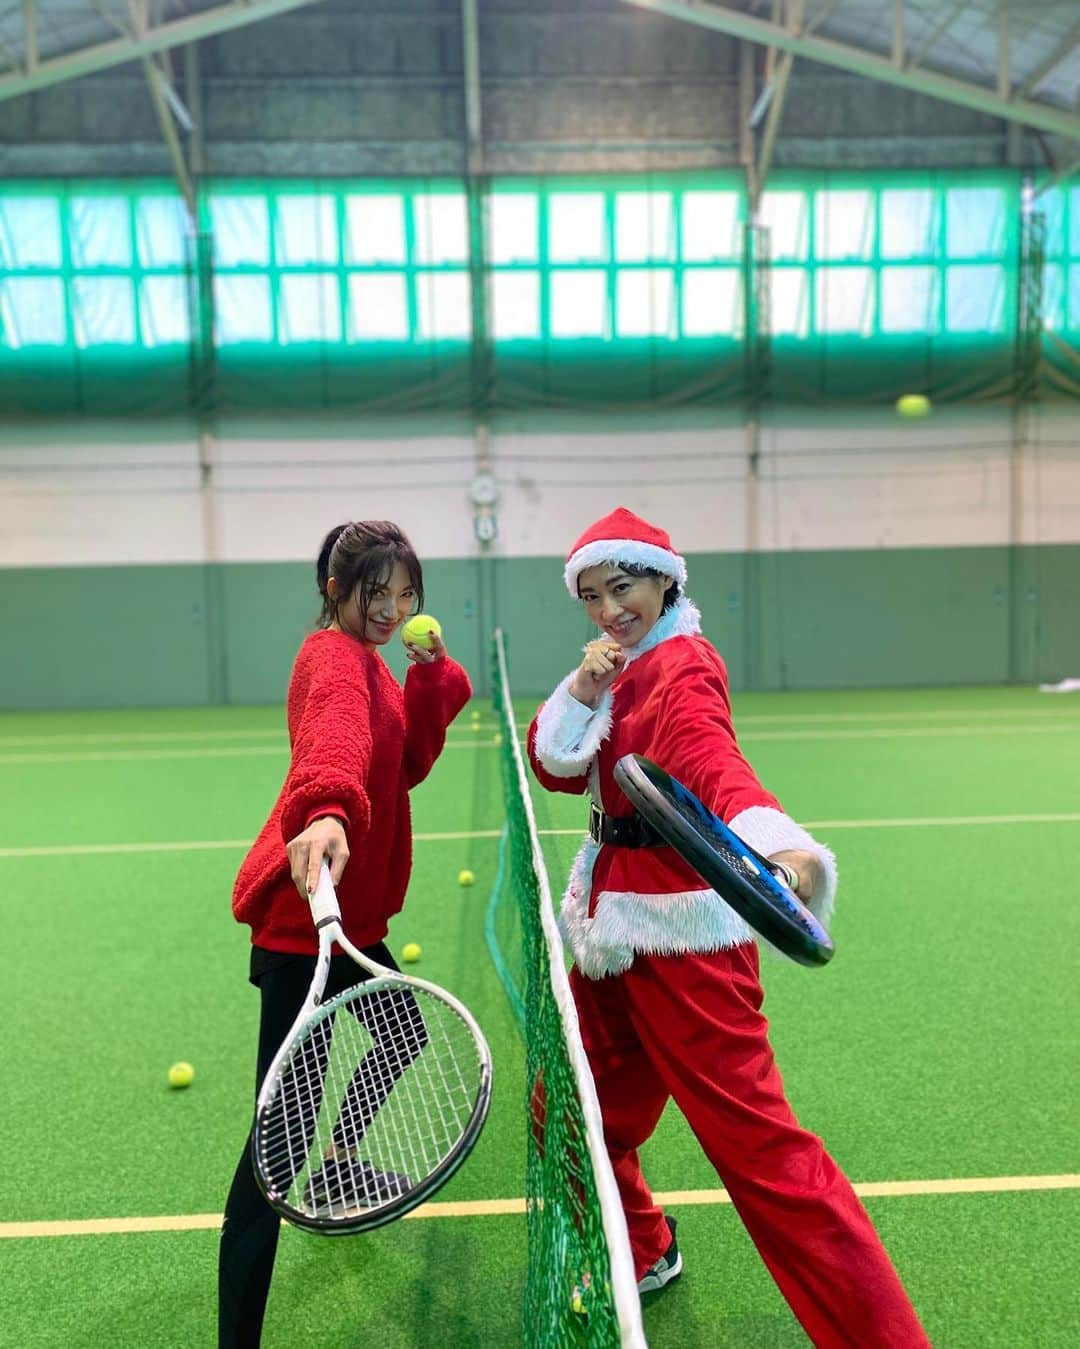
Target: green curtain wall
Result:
[[197, 635], [602, 293]]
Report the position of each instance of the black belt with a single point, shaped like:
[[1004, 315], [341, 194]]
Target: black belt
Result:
[[625, 831]]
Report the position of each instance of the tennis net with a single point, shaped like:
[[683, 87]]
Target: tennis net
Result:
[[580, 1286]]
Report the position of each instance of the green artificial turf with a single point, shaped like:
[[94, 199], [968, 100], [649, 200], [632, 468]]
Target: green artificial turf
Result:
[[940, 1043]]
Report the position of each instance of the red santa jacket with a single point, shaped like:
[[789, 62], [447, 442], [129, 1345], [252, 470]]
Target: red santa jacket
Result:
[[359, 743], [671, 704]]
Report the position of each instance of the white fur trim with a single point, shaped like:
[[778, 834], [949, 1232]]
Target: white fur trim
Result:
[[627, 924], [615, 551], [681, 620], [770, 831], [569, 734]]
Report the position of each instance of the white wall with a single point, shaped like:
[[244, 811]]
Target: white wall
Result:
[[115, 493]]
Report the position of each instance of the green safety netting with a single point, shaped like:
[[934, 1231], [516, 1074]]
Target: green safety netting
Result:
[[604, 292]]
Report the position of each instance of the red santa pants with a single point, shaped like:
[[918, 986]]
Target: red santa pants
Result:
[[690, 1027]]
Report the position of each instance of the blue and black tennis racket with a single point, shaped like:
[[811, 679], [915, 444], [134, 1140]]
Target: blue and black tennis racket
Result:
[[739, 875]]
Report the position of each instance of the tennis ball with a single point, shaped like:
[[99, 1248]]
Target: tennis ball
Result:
[[181, 1075], [913, 405], [415, 632], [411, 952], [475, 714], [465, 877]]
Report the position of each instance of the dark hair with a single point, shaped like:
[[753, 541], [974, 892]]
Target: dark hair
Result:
[[362, 554], [671, 594]]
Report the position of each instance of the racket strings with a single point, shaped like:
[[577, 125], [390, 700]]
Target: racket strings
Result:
[[374, 1095]]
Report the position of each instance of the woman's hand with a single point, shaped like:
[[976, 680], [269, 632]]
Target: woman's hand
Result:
[[805, 866], [424, 656], [322, 838], [603, 661]]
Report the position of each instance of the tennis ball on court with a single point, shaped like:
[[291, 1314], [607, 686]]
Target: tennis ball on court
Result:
[[475, 714], [181, 1075], [465, 877], [913, 405], [415, 632], [411, 952]]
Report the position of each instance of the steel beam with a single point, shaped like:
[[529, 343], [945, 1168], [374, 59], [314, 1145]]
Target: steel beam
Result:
[[158, 38], [859, 61], [1064, 48]]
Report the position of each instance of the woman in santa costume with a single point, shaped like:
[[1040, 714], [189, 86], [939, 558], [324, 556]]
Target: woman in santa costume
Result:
[[665, 974]]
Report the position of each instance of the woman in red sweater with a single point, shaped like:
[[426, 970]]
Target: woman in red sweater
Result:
[[359, 742]]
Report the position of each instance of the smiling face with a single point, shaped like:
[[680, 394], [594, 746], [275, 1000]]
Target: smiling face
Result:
[[392, 600], [626, 607]]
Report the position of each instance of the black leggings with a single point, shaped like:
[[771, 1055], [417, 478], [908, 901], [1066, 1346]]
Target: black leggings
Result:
[[249, 1234]]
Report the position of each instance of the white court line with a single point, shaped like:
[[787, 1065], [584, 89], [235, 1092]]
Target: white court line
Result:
[[258, 751], [211, 845], [133, 755], [494, 1208]]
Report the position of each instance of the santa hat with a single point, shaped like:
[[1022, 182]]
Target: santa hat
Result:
[[623, 537]]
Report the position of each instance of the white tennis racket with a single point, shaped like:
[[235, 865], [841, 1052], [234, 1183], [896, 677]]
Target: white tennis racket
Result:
[[374, 1100]]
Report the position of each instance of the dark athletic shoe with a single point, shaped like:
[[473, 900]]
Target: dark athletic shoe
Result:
[[668, 1267], [342, 1185]]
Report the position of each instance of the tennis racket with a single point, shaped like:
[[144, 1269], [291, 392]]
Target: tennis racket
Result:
[[739, 875], [374, 1100]]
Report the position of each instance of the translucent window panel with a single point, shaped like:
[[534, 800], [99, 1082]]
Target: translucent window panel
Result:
[[442, 228], [103, 310], [644, 226], [32, 312], [443, 305], [378, 307], [579, 306], [242, 309], [909, 300], [1053, 302], [1072, 307], [30, 233], [975, 221], [164, 316], [99, 231], [515, 304], [241, 227], [712, 302], [513, 227], [645, 303], [789, 306], [375, 229], [306, 229], [309, 308], [577, 227], [843, 225], [975, 299], [1074, 222], [1051, 205], [711, 228], [908, 223], [786, 215], [844, 300], [161, 231]]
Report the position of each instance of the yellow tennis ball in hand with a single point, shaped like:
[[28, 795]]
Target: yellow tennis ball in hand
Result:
[[416, 631], [465, 877], [411, 952], [913, 405], [181, 1075]]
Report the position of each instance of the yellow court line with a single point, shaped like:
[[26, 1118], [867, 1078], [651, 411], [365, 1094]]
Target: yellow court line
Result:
[[497, 1208]]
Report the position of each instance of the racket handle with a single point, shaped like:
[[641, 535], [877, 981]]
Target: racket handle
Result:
[[323, 902]]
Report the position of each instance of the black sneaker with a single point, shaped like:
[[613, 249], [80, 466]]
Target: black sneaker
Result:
[[668, 1267], [351, 1184]]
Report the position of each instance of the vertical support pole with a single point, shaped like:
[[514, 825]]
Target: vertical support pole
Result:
[[481, 374]]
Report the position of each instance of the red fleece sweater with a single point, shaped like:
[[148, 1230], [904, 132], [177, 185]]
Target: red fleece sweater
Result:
[[359, 743]]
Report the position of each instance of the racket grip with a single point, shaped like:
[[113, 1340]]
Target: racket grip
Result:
[[323, 902]]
